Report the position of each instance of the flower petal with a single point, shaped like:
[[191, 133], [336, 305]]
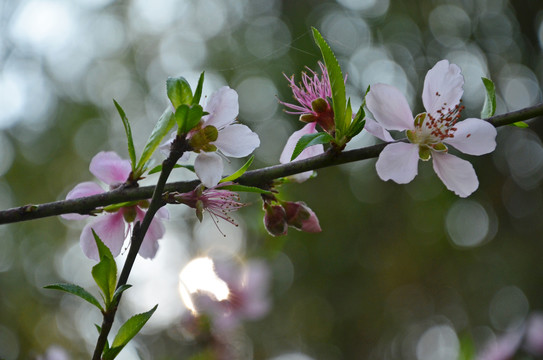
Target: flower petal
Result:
[[208, 167], [458, 175], [442, 87], [222, 107], [237, 140], [474, 137], [398, 162], [110, 229], [307, 153], [389, 107], [110, 168], [377, 130], [83, 189], [149, 246]]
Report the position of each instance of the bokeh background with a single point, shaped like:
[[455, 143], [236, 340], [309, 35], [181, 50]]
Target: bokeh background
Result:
[[398, 272]]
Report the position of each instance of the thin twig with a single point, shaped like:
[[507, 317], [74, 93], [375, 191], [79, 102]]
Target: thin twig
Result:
[[255, 177], [179, 146]]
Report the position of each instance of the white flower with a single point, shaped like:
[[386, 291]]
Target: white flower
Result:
[[218, 132], [429, 132]]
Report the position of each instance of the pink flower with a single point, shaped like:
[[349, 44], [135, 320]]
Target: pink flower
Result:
[[429, 132], [313, 95], [218, 202], [218, 132], [115, 225], [248, 299]]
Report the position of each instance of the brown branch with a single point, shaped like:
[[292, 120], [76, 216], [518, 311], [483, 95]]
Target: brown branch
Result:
[[258, 177]]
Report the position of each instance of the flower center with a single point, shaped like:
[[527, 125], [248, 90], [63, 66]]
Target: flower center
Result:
[[202, 138]]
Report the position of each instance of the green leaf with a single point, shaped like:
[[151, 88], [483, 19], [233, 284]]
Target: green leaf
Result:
[[77, 291], [489, 107], [162, 127], [520, 124], [337, 82], [105, 272], [240, 172], [179, 91], [245, 188], [180, 115], [127, 331], [120, 290], [194, 116], [358, 123], [158, 168], [128, 131], [310, 140], [198, 91]]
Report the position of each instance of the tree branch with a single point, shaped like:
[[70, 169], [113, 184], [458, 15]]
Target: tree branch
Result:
[[257, 177]]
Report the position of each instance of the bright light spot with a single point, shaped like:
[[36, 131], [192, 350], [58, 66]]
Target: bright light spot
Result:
[[47, 26], [199, 276], [467, 223], [257, 90], [292, 356], [438, 343]]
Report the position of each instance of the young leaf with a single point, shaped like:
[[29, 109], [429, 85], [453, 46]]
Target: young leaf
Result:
[[179, 91], [105, 272], [520, 124], [198, 91], [310, 140], [489, 106], [358, 123], [163, 126], [128, 131], [245, 188], [337, 82], [127, 331], [120, 290], [158, 168], [240, 172], [77, 291], [181, 114], [194, 116]]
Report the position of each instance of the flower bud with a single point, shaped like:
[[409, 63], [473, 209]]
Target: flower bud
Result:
[[301, 217], [275, 220]]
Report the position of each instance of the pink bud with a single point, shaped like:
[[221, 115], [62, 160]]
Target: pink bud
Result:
[[275, 220], [301, 217]]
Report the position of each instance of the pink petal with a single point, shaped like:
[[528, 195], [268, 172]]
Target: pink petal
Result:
[[222, 107], [398, 162], [83, 189], [474, 137], [149, 246], [237, 140], [458, 175], [307, 153], [389, 107], [442, 87], [208, 167], [377, 130], [110, 229], [110, 168]]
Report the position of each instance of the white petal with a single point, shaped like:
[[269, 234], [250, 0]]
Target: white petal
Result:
[[307, 153], [237, 141], [110, 229], [155, 232], [208, 167], [222, 107], [389, 107], [458, 175], [374, 128], [110, 167], [474, 137], [442, 87], [398, 162], [83, 189]]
